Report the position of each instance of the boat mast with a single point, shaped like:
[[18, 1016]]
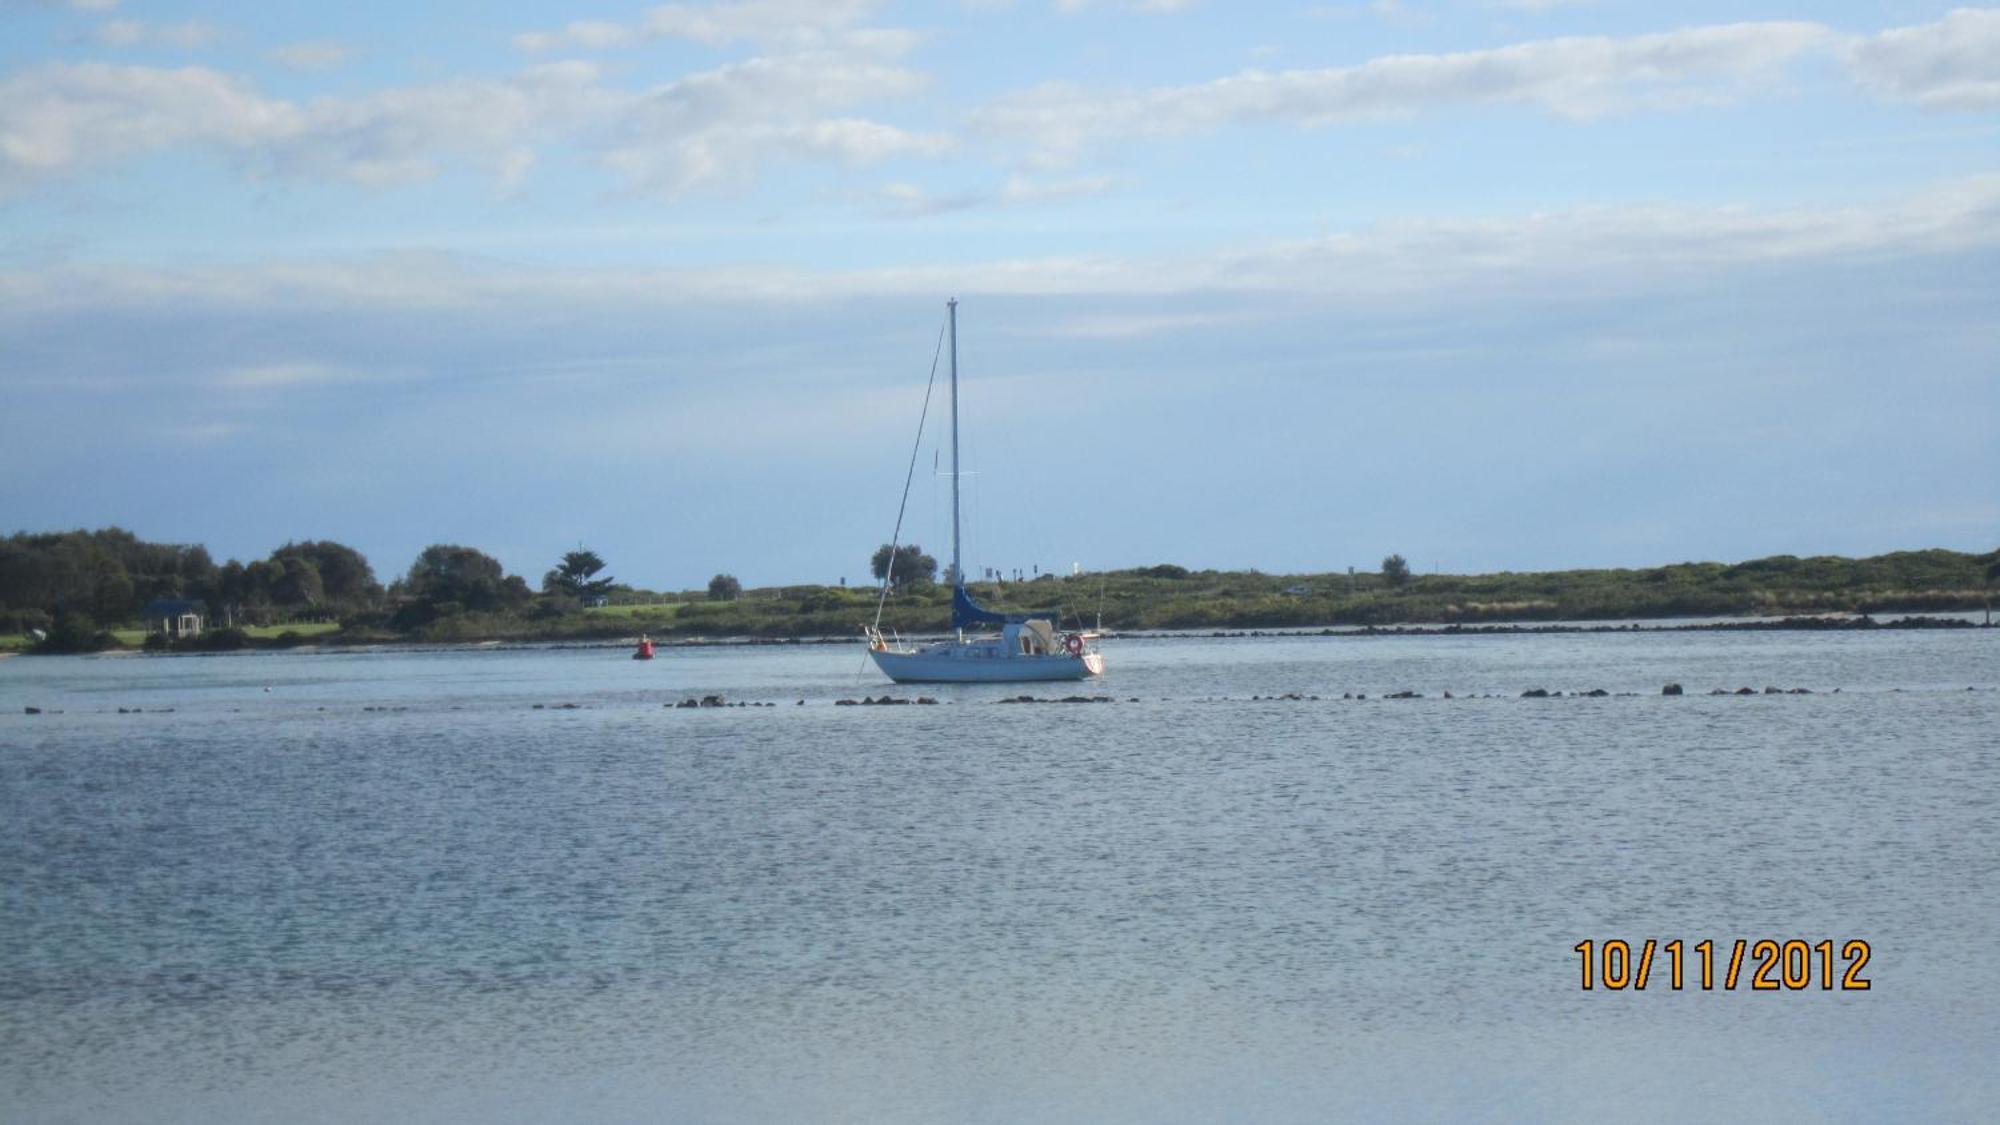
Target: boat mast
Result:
[[957, 570]]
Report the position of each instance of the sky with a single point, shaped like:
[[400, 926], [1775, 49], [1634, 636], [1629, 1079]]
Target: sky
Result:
[[1492, 284]]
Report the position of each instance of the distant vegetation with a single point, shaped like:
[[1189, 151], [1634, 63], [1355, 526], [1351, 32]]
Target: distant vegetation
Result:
[[84, 590], [903, 567]]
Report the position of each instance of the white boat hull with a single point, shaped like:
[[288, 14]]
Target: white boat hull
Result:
[[977, 664]]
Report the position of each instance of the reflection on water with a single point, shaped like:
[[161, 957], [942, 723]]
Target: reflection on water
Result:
[[388, 888]]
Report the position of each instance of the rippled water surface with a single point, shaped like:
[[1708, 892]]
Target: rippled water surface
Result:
[[384, 886]]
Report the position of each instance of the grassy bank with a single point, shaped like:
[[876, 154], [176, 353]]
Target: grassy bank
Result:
[[1170, 597]]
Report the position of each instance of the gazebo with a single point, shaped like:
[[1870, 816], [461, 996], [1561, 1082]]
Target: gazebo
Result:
[[173, 618]]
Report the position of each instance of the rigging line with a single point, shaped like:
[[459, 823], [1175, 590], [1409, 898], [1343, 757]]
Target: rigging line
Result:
[[896, 537]]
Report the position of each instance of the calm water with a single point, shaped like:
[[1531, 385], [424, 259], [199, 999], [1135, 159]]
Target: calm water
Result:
[[274, 903]]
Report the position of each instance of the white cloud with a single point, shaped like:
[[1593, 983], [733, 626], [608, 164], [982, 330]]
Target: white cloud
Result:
[[276, 376], [58, 117], [1951, 64], [1540, 7], [722, 124], [1578, 78], [1397, 13], [1027, 190], [587, 34], [910, 200], [1591, 250], [312, 56], [1127, 326], [137, 33], [717, 126], [772, 23], [1070, 6]]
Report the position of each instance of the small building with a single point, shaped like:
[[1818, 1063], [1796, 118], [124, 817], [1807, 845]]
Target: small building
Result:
[[173, 618], [1299, 591]]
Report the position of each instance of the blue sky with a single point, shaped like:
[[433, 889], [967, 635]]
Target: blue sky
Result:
[[1495, 285]]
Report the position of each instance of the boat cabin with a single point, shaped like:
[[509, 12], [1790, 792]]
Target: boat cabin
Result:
[[1033, 637]]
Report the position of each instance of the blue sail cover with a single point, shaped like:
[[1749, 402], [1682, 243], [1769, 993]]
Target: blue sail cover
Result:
[[965, 613]]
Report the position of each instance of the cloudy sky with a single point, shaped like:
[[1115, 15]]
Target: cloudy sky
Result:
[[1495, 284]]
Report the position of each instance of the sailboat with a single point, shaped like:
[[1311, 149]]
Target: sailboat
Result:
[[1026, 647]]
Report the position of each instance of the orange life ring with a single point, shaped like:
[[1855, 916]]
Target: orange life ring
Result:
[[1074, 644]]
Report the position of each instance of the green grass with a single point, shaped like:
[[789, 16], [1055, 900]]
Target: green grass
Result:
[[134, 638], [660, 612], [303, 629]]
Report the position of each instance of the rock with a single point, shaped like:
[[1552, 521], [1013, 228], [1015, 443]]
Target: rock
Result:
[[1535, 693], [1595, 693], [1768, 690], [926, 701], [1671, 689], [1404, 695], [712, 701], [1746, 691], [31, 710]]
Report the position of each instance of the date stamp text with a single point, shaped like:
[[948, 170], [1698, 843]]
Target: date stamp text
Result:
[[1765, 965]]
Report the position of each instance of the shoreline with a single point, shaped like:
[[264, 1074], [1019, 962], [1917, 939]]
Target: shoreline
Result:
[[1915, 621]]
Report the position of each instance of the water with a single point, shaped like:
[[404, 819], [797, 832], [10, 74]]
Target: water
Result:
[[283, 905]]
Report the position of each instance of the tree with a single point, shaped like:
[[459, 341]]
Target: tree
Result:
[[447, 574], [346, 580], [574, 576], [911, 565], [1395, 571], [299, 584], [724, 588]]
